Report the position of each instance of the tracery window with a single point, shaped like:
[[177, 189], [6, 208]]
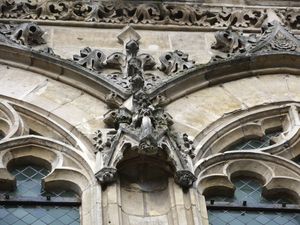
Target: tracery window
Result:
[[248, 206], [29, 203], [256, 143]]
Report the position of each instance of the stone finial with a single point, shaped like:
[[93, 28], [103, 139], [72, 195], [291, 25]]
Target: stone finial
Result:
[[128, 34]]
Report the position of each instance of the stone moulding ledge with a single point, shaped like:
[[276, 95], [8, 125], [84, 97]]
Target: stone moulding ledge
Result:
[[58, 69], [66, 130], [158, 27], [203, 76], [180, 84], [220, 172], [210, 161], [52, 145], [234, 124]]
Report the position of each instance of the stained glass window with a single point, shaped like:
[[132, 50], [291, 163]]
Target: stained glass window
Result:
[[30, 204], [249, 207]]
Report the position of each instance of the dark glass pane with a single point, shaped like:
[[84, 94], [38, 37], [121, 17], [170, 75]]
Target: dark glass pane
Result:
[[248, 189], [265, 141], [220, 217], [297, 160], [29, 183], [29, 186], [2, 135], [39, 215]]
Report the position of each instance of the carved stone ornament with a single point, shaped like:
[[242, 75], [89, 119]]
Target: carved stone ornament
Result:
[[27, 34], [124, 12], [290, 16], [107, 175], [140, 123], [129, 69], [274, 37], [185, 178], [147, 128], [90, 59], [173, 62]]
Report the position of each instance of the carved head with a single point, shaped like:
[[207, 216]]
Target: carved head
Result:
[[185, 178], [29, 34], [226, 41], [132, 48], [134, 67]]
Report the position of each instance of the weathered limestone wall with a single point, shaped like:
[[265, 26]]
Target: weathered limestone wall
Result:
[[80, 110], [192, 113], [210, 104], [68, 41]]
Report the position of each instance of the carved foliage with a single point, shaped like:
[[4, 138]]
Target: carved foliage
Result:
[[90, 59], [173, 62], [229, 41], [120, 61], [290, 16], [125, 12]]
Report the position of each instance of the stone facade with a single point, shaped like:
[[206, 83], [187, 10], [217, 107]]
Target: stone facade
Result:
[[137, 106]]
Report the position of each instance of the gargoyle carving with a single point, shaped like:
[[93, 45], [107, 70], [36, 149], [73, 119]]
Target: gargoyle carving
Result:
[[112, 100], [185, 178], [173, 62], [230, 41], [107, 175], [28, 34], [90, 59]]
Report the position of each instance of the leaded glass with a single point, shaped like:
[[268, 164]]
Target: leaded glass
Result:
[[255, 143], [226, 217], [250, 190], [29, 187], [39, 215], [247, 190]]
